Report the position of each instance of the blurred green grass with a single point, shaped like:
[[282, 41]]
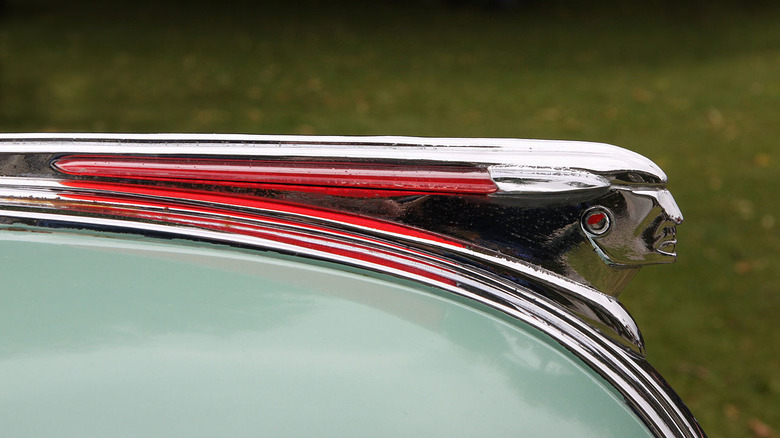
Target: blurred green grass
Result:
[[694, 86]]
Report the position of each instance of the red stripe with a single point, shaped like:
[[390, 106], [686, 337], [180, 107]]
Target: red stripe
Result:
[[228, 200], [333, 177]]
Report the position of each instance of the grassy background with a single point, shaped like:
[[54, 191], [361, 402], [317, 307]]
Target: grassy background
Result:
[[696, 87]]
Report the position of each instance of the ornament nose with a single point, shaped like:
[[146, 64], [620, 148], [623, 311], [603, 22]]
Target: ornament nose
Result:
[[666, 201]]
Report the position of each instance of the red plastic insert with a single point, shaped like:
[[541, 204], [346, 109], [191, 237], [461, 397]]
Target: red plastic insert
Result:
[[337, 177], [596, 218]]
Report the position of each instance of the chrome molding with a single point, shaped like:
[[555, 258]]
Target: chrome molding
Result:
[[531, 228]]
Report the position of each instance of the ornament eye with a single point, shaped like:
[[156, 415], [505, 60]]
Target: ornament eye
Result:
[[596, 221]]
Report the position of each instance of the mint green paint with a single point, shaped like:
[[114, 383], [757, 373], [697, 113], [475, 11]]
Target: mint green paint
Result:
[[112, 337]]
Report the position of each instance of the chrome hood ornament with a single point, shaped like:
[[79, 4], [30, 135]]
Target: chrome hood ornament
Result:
[[573, 221]]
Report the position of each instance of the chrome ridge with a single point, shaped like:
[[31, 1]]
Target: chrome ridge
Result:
[[564, 218]]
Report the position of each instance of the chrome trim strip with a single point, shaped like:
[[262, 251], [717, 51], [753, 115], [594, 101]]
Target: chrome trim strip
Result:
[[538, 154]]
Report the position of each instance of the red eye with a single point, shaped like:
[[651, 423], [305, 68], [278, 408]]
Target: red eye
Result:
[[594, 219]]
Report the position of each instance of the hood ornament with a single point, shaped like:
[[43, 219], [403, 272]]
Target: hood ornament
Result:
[[573, 221]]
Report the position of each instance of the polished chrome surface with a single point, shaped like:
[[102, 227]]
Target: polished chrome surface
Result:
[[528, 249], [553, 155]]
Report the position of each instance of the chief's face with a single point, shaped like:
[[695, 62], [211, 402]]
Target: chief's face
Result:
[[641, 229]]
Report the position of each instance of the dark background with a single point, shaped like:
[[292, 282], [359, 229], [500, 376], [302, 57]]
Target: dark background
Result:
[[695, 86]]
